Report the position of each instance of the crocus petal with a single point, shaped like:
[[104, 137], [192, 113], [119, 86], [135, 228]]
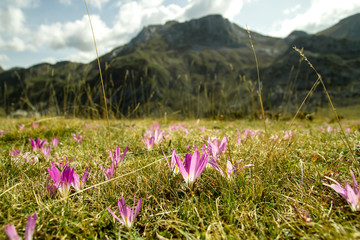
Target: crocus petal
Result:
[[85, 176], [230, 168], [167, 160], [201, 165], [187, 161], [355, 184], [236, 165], [111, 155], [223, 145], [30, 227], [32, 143], [138, 207], [125, 212], [124, 154], [113, 214], [193, 165], [337, 187], [213, 163], [351, 197], [117, 153], [248, 165], [54, 173], [152, 141], [76, 182], [182, 170], [11, 232]]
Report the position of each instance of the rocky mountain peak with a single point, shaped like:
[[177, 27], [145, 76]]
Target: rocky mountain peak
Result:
[[211, 31], [295, 34]]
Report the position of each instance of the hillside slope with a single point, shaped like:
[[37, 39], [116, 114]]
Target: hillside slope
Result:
[[202, 67]]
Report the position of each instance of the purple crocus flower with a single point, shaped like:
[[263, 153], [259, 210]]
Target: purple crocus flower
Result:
[[61, 162], [217, 148], [156, 126], [65, 179], [157, 135], [14, 155], [247, 133], [127, 213], [21, 127], [38, 144], [192, 167], [29, 229], [203, 129], [30, 158], [55, 141], [330, 129], [78, 138], [117, 158], [109, 172], [351, 194], [232, 170], [148, 142], [173, 166], [77, 184], [46, 151], [288, 135]]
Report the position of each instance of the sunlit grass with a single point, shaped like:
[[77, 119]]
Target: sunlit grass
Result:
[[260, 202]]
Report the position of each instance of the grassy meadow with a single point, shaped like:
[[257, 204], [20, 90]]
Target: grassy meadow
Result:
[[281, 197]]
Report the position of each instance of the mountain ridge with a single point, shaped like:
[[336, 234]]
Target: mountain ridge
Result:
[[199, 68], [347, 28]]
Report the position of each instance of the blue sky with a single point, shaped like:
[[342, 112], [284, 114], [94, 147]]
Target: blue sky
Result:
[[35, 31]]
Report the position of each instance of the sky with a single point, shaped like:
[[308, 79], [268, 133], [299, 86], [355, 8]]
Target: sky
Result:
[[35, 31]]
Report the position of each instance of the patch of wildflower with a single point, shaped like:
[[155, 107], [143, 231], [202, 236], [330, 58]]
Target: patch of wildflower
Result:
[[127, 213]]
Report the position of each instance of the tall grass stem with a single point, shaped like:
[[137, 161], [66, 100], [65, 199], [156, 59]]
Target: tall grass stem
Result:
[[259, 82], [346, 141], [102, 81]]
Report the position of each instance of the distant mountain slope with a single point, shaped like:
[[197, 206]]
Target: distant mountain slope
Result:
[[347, 28], [202, 67]]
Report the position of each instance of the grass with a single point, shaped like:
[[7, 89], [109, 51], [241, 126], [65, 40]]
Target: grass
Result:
[[257, 204], [264, 201]]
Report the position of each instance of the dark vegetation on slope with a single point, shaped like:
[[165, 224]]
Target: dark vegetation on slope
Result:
[[201, 68]]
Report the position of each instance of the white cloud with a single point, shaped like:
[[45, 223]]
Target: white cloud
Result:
[[20, 3], [65, 2], [50, 60], [292, 10], [93, 3], [4, 58], [16, 44], [12, 21], [321, 14], [96, 3], [82, 57], [75, 34], [200, 8]]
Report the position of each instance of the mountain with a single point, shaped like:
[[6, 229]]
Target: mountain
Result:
[[199, 68], [347, 28]]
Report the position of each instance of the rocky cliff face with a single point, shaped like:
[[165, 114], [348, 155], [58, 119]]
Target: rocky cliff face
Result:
[[210, 32]]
